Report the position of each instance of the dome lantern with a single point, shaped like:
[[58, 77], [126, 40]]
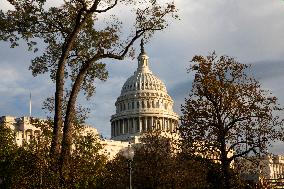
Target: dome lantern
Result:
[[143, 60]]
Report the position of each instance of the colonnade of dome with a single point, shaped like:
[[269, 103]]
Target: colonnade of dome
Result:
[[143, 104]]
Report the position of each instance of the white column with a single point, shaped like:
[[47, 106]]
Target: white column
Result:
[[123, 129], [114, 128], [146, 124], [111, 130], [157, 123], [125, 126], [152, 123], [140, 124], [118, 128], [129, 126], [163, 123], [133, 126]]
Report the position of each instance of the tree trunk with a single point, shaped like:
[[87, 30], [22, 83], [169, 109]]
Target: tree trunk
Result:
[[69, 118], [225, 167], [226, 174], [54, 150], [58, 120]]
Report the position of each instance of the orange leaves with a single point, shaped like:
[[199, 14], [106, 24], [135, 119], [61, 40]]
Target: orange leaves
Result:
[[227, 105]]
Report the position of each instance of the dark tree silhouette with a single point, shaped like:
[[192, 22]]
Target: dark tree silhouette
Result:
[[227, 115]]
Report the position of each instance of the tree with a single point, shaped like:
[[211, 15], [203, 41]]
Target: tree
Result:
[[28, 166], [7, 149], [76, 43], [156, 165], [151, 164], [153, 161], [227, 115]]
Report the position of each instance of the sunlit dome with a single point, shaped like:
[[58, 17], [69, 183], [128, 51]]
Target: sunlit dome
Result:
[[143, 104]]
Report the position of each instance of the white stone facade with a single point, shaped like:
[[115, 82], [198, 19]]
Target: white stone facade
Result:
[[24, 131], [143, 105], [268, 169], [272, 167], [22, 128]]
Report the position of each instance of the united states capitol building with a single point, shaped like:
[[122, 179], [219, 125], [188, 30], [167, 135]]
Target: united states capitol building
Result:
[[143, 105]]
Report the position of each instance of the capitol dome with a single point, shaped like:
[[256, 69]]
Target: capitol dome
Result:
[[143, 104]]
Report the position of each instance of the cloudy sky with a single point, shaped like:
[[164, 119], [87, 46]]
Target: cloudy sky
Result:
[[250, 30]]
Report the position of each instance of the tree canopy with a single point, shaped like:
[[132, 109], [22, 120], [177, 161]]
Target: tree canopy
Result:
[[228, 114]]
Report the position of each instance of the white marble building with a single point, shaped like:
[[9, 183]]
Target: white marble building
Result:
[[143, 104], [268, 169], [22, 128], [272, 167]]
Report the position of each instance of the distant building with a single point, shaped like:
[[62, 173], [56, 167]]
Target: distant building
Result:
[[267, 169], [22, 127], [24, 131]]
